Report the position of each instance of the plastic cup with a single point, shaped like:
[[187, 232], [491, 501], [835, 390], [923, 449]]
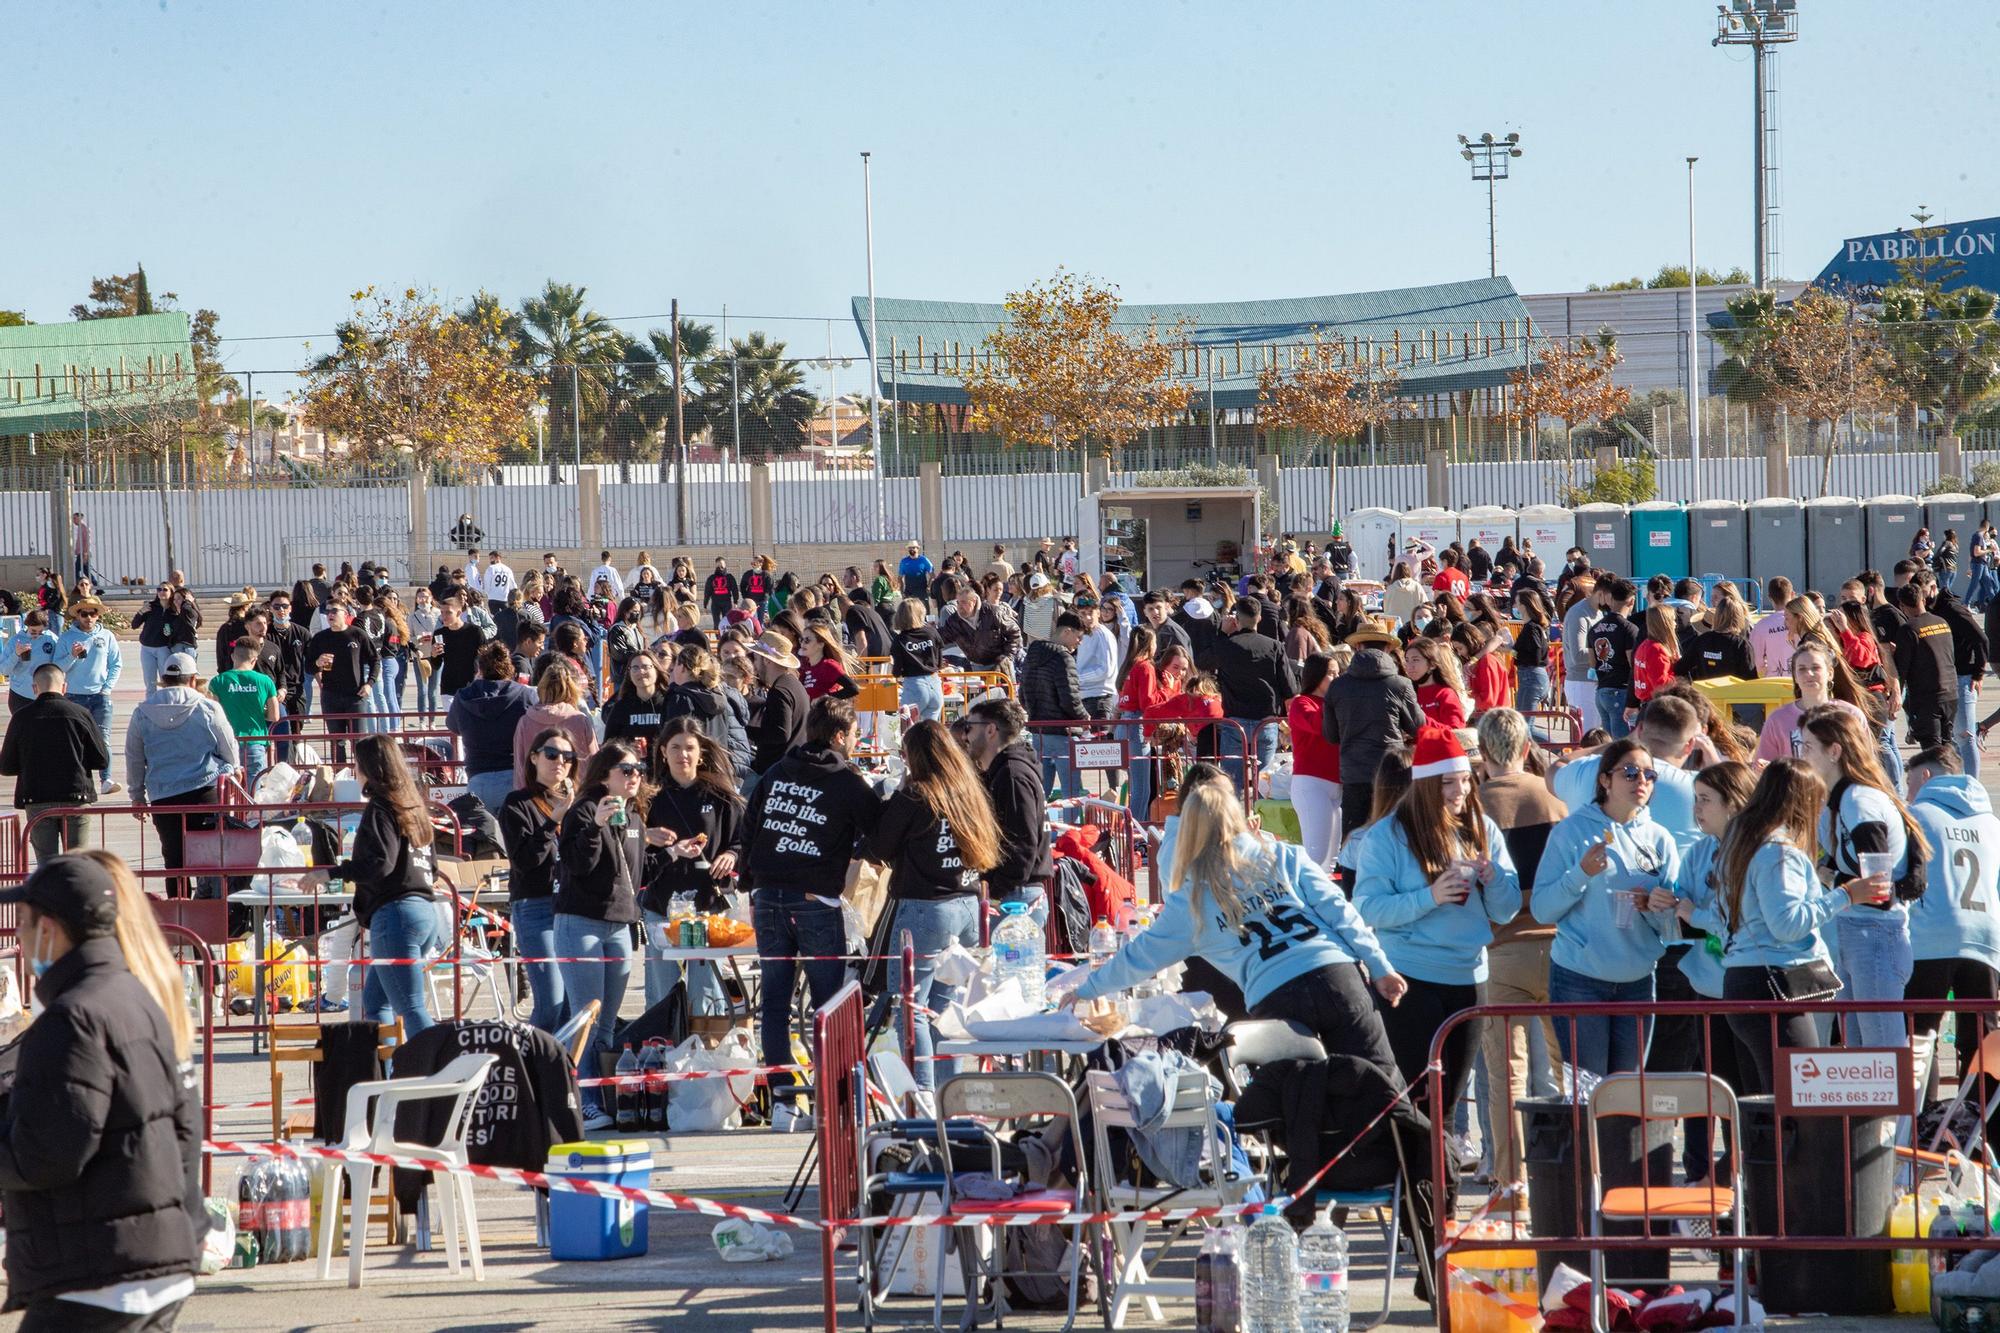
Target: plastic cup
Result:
[[1624, 909], [1875, 863]]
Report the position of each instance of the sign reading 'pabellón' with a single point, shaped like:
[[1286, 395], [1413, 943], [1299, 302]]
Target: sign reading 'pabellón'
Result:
[[1866, 264]]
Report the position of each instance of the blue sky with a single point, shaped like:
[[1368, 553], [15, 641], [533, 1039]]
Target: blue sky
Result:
[[269, 159]]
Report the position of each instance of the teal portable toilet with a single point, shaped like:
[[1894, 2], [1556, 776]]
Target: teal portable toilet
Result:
[[1892, 522], [1836, 550], [1718, 540], [1659, 540], [1778, 540], [1604, 535]]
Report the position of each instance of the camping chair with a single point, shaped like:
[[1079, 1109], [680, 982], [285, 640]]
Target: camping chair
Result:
[[1261, 1041], [986, 1102], [574, 1035], [371, 1127], [1651, 1098], [1985, 1062], [1134, 1277]]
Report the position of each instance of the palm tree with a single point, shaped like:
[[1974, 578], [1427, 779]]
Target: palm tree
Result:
[[768, 395], [574, 350], [1748, 375], [499, 328], [1946, 347], [700, 370]]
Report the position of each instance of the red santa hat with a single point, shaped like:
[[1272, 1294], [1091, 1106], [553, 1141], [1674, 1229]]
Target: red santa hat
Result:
[[1438, 753]]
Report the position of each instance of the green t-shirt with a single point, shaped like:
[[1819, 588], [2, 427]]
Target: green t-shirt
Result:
[[243, 696]]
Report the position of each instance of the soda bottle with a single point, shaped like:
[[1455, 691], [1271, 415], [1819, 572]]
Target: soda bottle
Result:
[[652, 1063], [627, 1117], [249, 1200], [301, 1228], [1217, 1282]]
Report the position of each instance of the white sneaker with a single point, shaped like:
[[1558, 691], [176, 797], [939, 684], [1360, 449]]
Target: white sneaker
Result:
[[598, 1120], [112, 789], [787, 1119], [1462, 1150]]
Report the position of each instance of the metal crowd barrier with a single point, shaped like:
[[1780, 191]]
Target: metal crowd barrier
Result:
[[840, 1089]]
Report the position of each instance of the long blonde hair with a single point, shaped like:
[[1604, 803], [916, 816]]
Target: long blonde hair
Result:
[[1206, 859], [147, 955]]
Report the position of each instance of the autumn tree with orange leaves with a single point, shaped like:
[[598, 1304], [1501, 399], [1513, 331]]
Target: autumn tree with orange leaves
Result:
[[1062, 370], [1572, 383], [409, 374], [1326, 393]]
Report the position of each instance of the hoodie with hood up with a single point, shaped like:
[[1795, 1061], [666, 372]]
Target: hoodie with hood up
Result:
[[723, 714], [1959, 914], [485, 715], [177, 741], [1589, 941], [1370, 708]]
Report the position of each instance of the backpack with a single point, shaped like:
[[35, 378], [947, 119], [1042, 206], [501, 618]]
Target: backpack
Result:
[[1910, 887]]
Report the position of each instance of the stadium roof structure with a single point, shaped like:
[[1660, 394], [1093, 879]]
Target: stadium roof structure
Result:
[[57, 376], [1443, 339]]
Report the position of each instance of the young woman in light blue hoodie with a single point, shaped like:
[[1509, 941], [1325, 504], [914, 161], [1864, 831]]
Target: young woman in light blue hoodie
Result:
[[1265, 915], [1433, 879], [1605, 884], [1773, 907], [1864, 815]]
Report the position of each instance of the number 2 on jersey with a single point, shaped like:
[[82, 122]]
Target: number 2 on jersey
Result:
[[1965, 863], [1282, 925]]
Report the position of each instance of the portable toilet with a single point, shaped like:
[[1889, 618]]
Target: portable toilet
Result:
[[1718, 539], [1489, 525], [1435, 528], [1659, 540], [1551, 530], [1778, 540], [1372, 534], [1604, 532], [1953, 512], [1892, 522], [1836, 549], [1991, 504]]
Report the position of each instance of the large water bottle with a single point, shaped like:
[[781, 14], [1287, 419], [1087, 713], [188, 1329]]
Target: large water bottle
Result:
[[628, 1113], [1218, 1281], [1323, 1277], [1018, 952], [1270, 1274], [1142, 919]]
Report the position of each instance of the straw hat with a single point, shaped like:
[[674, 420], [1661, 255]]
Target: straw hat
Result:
[[773, 648], [1371, 631], [87, 604]]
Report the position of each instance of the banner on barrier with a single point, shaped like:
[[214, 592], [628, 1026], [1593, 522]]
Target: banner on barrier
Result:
[[1831, 1080], [1098, 755]]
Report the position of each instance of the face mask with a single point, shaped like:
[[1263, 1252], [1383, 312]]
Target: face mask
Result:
[[1420, 621], [281, 618], [38, 963]]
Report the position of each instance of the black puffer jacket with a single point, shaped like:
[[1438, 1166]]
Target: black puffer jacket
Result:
[[97, 1139], [1049, 687], [1371, 707]]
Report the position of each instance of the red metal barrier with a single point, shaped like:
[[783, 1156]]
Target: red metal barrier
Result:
[[1985, 1012], [1209, 739], [204, 962], [839, 1085]]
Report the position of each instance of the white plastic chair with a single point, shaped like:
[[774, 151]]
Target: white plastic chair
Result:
[[371, 1127], [1131, 1276]]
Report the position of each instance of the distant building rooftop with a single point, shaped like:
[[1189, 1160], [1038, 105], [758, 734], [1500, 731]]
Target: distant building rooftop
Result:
[[53, 375]]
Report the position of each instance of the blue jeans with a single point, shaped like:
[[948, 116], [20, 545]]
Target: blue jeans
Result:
[[393, 670], [1891, 757], [1601, 1043], [923, 693], [99, 708], [256, 756], [492, 788], [605, 951], [1966, 730], [1053, 747], [1611, 708], [787, 929], [705, 994], [1873, 964], [1531, 691], [402, 928], [151, 662], [427, 690], [534, 922], [932, 925], [1140, 784]]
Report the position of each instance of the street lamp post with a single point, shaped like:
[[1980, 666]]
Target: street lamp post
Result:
[[874, 349], [1489, 158], [1694, 367], [1759, 25]]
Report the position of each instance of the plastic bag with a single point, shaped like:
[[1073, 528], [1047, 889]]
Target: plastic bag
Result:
[[284, 978], [1275, 783], [710, 1103], [220, 1243], [743, 1242], [276, 784]]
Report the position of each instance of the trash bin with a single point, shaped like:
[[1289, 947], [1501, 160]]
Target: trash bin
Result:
[[1659, 540], [1548, 1152], [1604, 534], [584, 1226], [1718, 540], [1837, 1282], [1836, 549]]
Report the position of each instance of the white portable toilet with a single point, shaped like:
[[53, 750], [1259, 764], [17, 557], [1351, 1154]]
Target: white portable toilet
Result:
[[1489, 525], [1436, 528], [1372, 533], [1551, 529]]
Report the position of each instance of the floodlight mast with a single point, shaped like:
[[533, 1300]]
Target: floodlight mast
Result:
[[1759, 25], [1489, 158]]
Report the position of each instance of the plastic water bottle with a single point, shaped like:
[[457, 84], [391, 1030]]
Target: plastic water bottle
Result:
[[1142, 918], [1103, 941], [652, 1063], [1018, 952], [1218, 1281], [1270, 1274], [628, 1114], [1323, 1277]]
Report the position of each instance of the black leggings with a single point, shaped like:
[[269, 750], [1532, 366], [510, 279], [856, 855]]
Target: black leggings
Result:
[[1754, 1031], [1963, 979], [1412, 1024], [1337, 1005]]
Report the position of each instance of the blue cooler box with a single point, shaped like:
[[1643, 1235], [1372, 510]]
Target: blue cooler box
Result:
[[582, 1226]]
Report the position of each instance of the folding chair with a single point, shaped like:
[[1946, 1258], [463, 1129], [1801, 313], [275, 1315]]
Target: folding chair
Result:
[[1261, 1041], [987, 1101], [1665, 1096], [371, 1127], [1133, 1277]]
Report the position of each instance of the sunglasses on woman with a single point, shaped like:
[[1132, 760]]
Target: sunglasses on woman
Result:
[[560, 756], [632, 770], [1633, 773]]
